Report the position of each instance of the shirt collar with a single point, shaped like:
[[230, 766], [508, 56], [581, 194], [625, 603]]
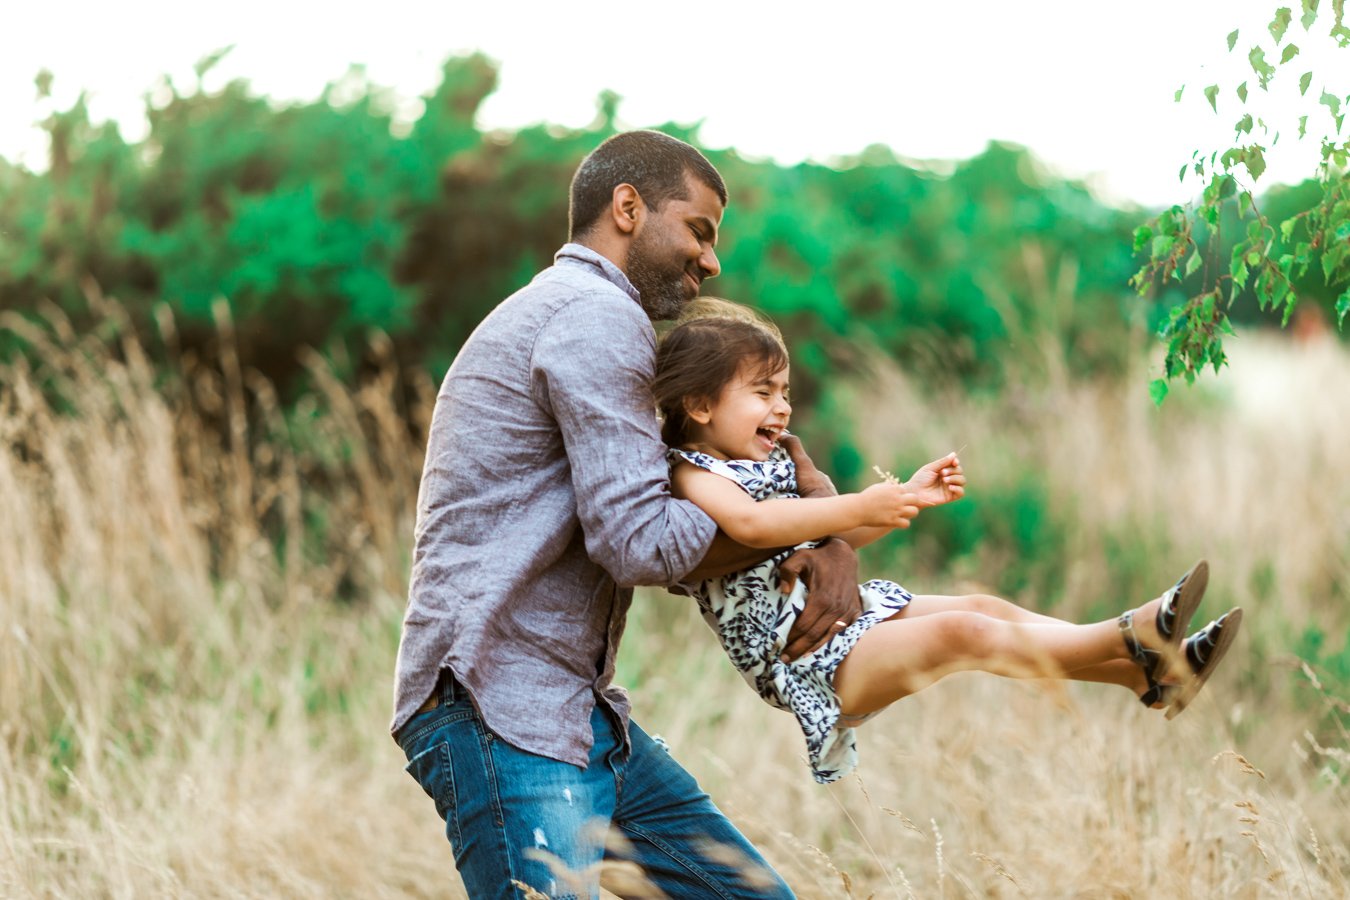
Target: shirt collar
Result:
[[577, 254]]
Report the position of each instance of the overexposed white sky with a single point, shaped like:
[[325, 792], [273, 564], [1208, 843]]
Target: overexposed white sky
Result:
[[1087, 86]]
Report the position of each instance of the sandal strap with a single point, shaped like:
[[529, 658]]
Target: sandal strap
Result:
[[1147, 660], [1167, 610], [1132, 644], [1199, 645], [1143, 657], [1158, 692]]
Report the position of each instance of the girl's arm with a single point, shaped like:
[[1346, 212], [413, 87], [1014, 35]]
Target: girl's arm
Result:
[[861, 537], [812, 482], [941, 481], [786, 521]]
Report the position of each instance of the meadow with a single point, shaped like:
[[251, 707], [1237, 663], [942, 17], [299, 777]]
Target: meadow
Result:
[[201, 591]]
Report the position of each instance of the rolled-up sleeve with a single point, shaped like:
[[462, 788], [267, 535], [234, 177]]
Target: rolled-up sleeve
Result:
[[591, 367]]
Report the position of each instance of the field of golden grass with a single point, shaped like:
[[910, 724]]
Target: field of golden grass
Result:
[[200, 597]]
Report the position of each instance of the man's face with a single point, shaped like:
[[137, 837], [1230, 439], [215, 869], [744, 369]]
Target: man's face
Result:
[[672, 251]]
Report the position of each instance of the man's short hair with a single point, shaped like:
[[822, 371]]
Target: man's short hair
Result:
[[654, 163]]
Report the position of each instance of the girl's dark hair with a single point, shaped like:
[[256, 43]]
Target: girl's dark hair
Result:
[[702, 354]]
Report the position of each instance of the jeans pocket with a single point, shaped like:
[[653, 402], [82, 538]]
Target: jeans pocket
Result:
[[431, 769]]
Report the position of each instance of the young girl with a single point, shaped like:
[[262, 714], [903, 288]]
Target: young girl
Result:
[[722, 389]]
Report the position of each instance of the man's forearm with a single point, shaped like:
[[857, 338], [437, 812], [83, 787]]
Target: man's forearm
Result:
[[726, 556], [832, 602]]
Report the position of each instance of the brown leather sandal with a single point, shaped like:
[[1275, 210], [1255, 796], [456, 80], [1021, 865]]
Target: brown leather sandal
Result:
[[1203, 650], [1174, 617]]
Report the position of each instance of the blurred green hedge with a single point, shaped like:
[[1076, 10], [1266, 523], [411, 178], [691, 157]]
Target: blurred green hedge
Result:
[[321, 221]]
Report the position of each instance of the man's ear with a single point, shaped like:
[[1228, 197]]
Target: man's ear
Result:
[[626, 208], [699, 410]]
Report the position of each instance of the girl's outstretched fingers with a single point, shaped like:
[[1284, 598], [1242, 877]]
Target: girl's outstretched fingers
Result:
[[954, 477], [940, 481]]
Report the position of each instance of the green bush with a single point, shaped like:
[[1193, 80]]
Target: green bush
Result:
[[320, 222]]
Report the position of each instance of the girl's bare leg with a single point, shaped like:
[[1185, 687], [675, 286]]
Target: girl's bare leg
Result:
[[918, 647], [984, 604], [1123, 672]]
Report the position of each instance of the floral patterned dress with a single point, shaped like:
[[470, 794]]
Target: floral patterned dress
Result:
[[752, 617]]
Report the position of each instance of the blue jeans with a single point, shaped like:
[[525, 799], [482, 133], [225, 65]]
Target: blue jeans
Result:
[[514, 818]]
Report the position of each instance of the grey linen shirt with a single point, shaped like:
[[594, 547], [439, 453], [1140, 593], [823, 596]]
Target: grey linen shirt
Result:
[[545, 496]]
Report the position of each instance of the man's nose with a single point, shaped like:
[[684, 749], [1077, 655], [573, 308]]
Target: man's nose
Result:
[[708, 262]]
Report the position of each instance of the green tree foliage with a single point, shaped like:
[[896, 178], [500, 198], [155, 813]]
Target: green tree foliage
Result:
[[297, 215], [953, 267], [1228, 245], [321, 221]]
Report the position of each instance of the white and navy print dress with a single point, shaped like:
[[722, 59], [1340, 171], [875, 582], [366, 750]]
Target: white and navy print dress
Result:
[[752, 617]]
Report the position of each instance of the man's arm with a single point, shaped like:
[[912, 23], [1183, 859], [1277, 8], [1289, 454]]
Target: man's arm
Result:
[[857, 538], [811, 482], [726, 556], [831, 575], [591, 369]]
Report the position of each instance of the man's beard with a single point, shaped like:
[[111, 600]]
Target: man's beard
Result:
[[660, 286]]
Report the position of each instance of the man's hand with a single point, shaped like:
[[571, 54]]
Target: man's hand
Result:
[[811, 482], [941, 481], [831, 575]]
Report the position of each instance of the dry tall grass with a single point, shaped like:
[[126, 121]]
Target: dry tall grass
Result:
[[190, 707]]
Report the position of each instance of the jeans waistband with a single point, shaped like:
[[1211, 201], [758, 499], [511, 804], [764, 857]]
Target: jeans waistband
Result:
[[445, 692]]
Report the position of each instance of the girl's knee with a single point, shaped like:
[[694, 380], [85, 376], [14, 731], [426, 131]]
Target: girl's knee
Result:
[[994, 607], [969, 634]]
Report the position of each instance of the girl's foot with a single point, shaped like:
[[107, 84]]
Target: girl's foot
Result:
[[1181, 601], [1148, 649], [1152, 635], [1203, 652]]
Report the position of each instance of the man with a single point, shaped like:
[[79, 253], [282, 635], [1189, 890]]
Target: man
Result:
[[544, 498]]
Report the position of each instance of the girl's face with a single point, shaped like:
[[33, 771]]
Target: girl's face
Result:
[[747, 418]]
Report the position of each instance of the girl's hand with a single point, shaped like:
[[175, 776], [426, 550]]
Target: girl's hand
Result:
[[888, 506], [941, 481]]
